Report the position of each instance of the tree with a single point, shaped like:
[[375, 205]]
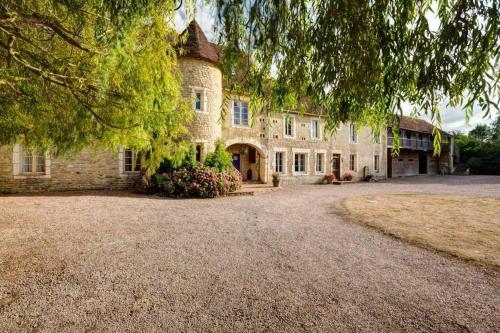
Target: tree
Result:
[[361, 60], [481, 132], [75, 73], [495, 129]]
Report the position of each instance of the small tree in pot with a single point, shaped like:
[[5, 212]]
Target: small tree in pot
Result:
[[276, 179]]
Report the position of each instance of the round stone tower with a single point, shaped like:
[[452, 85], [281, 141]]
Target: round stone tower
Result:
[[202, 83]]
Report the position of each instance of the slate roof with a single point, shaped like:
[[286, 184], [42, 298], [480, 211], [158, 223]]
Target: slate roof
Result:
[[197, 45]]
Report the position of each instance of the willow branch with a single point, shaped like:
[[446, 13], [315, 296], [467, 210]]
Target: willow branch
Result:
[[48, 22]]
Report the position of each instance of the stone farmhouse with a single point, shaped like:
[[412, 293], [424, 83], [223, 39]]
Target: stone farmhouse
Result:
[[292, 144]]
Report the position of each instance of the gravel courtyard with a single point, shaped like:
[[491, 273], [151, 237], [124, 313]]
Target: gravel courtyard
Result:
[[282, 262]]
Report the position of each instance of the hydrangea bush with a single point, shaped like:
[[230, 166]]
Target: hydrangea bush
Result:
[[199, 181]]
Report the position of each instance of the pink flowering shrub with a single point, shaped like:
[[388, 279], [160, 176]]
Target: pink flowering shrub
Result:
[[199, 181]]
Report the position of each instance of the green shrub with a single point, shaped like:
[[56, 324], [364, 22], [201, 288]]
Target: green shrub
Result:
[[188, 162], [220, 159]]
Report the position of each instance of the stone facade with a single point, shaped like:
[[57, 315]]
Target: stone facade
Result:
[[260, 145], [96, 168]]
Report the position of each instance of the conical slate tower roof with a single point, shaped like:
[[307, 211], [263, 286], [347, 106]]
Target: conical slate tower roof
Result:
[[197, 44]]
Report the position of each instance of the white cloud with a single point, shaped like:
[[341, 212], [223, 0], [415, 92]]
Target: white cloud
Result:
[[204, 15], [453, 118]]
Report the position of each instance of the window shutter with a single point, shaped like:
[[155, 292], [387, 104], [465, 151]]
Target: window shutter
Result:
[[120, 160], [16, 160]]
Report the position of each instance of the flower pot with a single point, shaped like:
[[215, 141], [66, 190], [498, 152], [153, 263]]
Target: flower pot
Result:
[[276, 183]]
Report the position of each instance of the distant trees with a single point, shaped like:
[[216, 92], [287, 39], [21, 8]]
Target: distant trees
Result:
[[480, 149]]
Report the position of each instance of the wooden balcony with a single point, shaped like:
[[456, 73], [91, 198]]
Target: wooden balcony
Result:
[[414, 144]]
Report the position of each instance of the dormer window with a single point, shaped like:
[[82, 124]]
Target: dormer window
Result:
[[240, 113]]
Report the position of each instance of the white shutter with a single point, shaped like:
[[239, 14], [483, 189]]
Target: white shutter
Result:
[[16, 160], [120, 160]]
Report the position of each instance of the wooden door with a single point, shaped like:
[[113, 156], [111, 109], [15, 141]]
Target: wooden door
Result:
[[336, 165], [389, 163], [422, 164], [236, 162]]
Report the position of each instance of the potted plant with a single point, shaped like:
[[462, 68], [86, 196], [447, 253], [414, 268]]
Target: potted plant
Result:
[[348, 176], [276, 179], [330, 177]]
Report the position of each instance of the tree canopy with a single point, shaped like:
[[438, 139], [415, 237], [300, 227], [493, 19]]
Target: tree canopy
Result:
[[80, 72], [480, 149], [75, 73], [362, 60]]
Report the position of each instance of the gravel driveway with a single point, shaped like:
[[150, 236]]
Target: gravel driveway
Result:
[[281, 262]]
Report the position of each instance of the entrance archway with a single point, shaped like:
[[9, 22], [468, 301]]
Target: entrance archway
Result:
[[249, 160]]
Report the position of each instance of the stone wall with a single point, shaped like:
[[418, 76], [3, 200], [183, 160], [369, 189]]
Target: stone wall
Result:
[[206, 78], [96, 168], [407, 163], [267, 134]]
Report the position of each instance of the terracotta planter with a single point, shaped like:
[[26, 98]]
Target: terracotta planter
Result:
[[276, 183]]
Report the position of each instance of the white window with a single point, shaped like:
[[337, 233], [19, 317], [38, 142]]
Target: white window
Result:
[[353, 162], [240, 113], [288, 123], [198, 101], [279, 162], [376, 163], [353, 135], [314, 129], [299, 165], [320, 163], [376, 138], [199, 98], [132, 160], [33, 161]]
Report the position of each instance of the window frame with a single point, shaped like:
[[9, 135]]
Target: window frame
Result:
[[201, 146], [203, 99], [135, 156], [318, 134], [354, 163], [240, 113], [353, 133], [306, 153], [322, 164], [34, 156], [279, 167], [196, 101], [18, 159], [292, 126], [376, 163], [284, 161]]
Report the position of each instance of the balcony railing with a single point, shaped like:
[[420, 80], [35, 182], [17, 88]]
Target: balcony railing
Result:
[[411, 143]]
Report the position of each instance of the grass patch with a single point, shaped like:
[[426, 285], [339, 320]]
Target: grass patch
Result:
[[462, 226]]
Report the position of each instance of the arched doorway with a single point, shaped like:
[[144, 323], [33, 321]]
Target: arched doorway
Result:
[[249, 160]]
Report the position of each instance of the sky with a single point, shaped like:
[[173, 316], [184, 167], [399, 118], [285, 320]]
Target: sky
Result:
[[453, 119]]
